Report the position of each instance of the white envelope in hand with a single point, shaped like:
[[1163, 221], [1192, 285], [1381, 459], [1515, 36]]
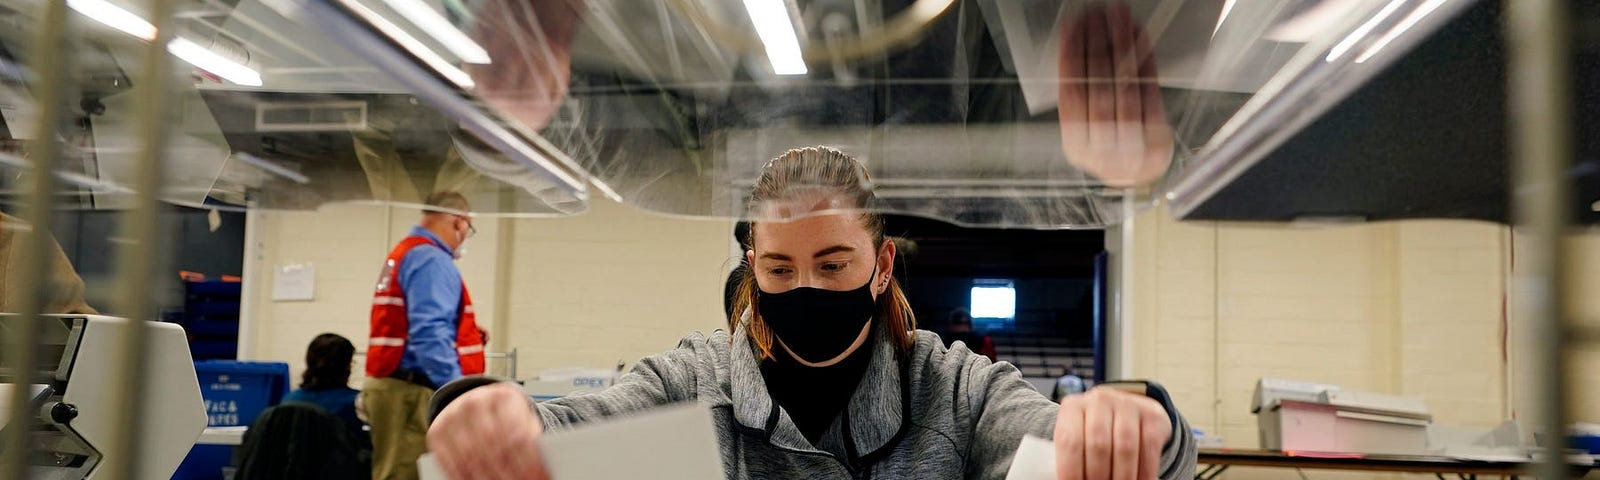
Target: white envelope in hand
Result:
[[1035, 460], [674, 441]]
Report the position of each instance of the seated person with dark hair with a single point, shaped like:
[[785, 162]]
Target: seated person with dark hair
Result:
[[730, 290], [326, 382], [961, 329]]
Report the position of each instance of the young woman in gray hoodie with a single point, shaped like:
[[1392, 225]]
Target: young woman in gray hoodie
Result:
[[825, 375]]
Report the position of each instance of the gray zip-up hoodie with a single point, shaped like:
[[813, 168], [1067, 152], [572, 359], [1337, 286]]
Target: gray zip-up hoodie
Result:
[[939, 413]]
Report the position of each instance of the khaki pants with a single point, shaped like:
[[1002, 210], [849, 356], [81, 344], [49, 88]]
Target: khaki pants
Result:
[[397, 411]]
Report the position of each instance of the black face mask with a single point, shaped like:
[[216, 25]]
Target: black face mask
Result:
[[817, 324]]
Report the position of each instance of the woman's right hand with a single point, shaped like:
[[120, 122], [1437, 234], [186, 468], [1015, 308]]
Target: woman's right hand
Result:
[[488, 433]]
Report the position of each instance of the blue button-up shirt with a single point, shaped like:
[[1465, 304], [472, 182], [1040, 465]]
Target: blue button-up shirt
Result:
[[432, 285]]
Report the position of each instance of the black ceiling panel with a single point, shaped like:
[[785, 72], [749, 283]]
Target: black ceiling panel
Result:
[[1428, 138]]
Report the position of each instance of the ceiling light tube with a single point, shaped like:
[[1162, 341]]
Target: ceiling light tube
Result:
[[429, 57], [1362, 31], [114, 17], [430, 21], [127, 22], [272, 168], [1406, 24], [776, 29], [210, 61]]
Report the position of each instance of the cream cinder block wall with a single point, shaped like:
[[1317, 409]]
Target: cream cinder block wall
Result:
[[1454, 319], [614, 284], [330, 240], [1583, 362], [611, 284], [1584, 365], [1409, 308]]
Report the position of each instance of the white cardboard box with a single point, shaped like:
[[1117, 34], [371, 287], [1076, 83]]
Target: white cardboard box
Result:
[[1270, 390], [1292, 425]]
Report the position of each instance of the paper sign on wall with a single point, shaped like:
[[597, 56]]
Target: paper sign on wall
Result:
[[294, 283]]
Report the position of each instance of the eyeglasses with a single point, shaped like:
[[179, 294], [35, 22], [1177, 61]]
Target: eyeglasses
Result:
[[471, 230]]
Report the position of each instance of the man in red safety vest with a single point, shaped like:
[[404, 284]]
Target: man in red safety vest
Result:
[[423, 334]]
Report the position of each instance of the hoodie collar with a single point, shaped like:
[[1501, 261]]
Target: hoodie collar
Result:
[[873, 419]]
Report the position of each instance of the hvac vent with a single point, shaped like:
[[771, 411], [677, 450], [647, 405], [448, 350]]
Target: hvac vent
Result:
[[343, 116]]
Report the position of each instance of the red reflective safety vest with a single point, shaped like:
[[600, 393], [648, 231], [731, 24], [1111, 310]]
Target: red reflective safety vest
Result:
[[387, 340]]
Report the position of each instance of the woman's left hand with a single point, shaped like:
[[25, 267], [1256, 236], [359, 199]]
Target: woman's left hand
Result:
[[1110, 434], [1113, 123], [529, 43]]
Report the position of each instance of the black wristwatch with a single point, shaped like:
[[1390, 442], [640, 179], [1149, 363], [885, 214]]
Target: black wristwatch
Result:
[[1155, 392], [450, 391]]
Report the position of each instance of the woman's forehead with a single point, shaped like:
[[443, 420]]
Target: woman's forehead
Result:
[[800, 203], [802, 237]]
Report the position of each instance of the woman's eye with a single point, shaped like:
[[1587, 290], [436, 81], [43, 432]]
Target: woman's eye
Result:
[[832, 267], [778, 271]]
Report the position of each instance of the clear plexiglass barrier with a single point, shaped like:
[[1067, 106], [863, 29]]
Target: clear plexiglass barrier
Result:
[[1007, 113]]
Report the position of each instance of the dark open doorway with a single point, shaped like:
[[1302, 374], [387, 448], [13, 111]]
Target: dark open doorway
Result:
[[1032, 292]]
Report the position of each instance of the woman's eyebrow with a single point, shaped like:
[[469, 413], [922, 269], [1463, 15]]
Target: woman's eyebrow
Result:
[[820, 253], [832, 250]]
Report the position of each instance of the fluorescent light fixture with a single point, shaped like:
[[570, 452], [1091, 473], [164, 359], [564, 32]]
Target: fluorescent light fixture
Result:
[[81, 181], [1362, 31], [91, 184], [272, 168], [773, 25], [209, 61], [1405, 24], [411, 44], [1227, 8], [430, 21], [115, 17], [185, 49]]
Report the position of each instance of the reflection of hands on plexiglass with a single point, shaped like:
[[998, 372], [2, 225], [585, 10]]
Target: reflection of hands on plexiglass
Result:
[[1113, 125], [529, 44]]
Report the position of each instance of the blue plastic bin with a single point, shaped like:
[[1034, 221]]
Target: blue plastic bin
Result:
[[235, 393], [1587, 443], [213, 288]]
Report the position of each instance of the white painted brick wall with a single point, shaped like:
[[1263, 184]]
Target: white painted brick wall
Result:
[[1452, 280], [1412, 308], [1584, 373], [610, 284], [332, 240]]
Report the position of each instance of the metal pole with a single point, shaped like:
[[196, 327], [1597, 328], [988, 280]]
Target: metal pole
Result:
[[49, 83], [505, 251], [136, 258], [1541, 124], [513, 357]]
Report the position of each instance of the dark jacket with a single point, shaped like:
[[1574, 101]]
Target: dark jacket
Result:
[[298, 440]]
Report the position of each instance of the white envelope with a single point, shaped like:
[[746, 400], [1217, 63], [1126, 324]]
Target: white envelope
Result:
[[674, 441], [1035, 460]]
